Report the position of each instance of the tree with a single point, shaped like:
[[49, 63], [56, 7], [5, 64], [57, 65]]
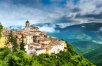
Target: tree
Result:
[[1, 27], [13, 41], [22, 44], [15, 45], [20, 58], [4, 52], [12, 60]]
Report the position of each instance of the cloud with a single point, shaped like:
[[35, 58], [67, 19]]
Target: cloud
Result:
[[47, 29], [90, 9], [65, 13], [84, 11], [98, 42], [10, 13]]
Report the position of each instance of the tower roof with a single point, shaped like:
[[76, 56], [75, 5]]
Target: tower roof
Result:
[[27, 21]]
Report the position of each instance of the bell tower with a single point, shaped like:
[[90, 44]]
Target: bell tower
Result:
[[27, 24]]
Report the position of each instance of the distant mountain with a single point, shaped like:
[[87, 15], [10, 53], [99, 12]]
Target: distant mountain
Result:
[[87, 36], [16, 27]]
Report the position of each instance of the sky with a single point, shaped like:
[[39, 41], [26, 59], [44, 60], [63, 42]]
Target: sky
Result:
[[62, 12]]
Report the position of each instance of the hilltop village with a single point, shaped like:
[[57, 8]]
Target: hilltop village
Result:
[[35, 41]]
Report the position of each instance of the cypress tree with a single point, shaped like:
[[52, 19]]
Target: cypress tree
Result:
[[22, 44], [13, 41], [1, 27]]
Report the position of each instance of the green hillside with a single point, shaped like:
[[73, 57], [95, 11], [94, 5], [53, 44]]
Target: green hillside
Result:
[[95, 56], [20, 58]]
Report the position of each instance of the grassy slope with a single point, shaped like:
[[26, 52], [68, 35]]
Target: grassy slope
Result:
[[95, 56]]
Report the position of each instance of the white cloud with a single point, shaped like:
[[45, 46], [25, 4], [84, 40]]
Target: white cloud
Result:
[[47, 29], [11, 14], [74, 21], [64, 25], [90, 6], [98, 42]]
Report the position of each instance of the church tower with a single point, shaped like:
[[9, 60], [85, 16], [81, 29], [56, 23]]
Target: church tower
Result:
[[27, 24]]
